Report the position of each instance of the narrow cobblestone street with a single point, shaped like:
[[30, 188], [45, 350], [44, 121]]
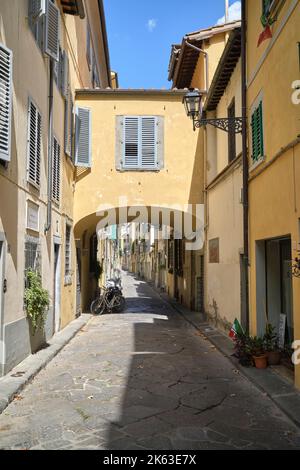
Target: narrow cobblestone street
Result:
[[144, 379]]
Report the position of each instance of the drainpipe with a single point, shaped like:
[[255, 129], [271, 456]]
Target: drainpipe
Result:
[[245, 167], [206, 62], [50, 134], [226, 11]]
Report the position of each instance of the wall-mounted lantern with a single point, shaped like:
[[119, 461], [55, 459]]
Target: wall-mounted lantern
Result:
[[192, 101]]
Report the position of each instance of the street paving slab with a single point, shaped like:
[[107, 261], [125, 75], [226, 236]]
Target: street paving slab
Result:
[[143, 379]]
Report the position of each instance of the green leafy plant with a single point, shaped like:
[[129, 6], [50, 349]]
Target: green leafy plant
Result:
[[256, 346], [270, 338], [36, 300], [242, 349]]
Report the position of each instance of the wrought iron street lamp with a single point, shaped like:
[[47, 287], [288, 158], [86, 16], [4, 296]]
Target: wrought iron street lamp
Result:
[[192, 101]]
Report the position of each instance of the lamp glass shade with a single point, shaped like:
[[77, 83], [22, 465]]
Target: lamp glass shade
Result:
[[192, 103]]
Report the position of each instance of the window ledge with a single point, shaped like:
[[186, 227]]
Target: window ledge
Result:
[[257, 163]]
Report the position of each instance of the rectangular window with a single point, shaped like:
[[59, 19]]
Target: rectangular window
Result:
[[231, 132], [68, 251], [140, 149], [5, 101], [257, 133], [83, 145], [179, 256], [32, 253], [34, 144], [55, 170], [44, 22]]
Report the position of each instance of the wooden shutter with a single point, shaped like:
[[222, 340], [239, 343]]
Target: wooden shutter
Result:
[[5, 102], [257, 133], [55, 170], [68, 250], [34, 144], [68, 124], [83, 152], [52, 30], [148, 142], [131, 142], [64, 73]]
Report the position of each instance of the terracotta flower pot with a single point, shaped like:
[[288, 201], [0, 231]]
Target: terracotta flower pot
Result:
[[261, 362], [274, 358]]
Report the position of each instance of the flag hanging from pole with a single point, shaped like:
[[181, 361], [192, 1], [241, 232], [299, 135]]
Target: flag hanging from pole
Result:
[[236, 329], [266, 34]]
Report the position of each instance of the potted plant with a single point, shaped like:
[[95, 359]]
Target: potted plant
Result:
[[257, 350], [36, 300], [271, 345], [241, 349]]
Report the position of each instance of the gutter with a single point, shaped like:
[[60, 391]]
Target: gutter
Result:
[[245, 313], [50, 135]]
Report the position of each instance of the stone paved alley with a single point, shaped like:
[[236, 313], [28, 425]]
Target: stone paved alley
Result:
[[144, 379]]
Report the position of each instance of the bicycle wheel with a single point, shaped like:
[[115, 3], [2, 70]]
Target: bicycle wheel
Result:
[[119, 304], [97, 306]]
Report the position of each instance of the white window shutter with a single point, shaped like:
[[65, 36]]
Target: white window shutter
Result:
[[83, 147], [52, 17], [148, 132], [64, 74], [131, 142], [5, 102], [34, 144], [68, 124], [55, 170]]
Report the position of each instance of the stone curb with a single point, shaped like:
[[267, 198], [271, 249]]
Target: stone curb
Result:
[[278, 389], [10, 386]]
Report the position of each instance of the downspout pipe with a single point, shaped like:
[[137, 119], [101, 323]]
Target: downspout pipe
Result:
[[245, 318], [206, 62], [50, 138]]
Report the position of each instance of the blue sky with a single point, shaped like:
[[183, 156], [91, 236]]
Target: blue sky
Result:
[[140, 34]]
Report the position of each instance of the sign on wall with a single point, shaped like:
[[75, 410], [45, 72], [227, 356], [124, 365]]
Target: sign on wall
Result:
[[32, 216]]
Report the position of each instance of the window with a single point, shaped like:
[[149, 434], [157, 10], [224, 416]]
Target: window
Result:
[[170, 255], [32, 253], [139, 144], [55, 170], [257, 133], [34, 144], [231, 132], [68, 252], [179, 256], [44, 17], [83, 150], [61, 73], [5, 101]]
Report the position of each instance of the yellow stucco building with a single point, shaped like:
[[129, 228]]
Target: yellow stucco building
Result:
[[63, 44], [274, 167]]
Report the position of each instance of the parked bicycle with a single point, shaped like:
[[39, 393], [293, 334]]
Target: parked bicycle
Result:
[[110, 299]]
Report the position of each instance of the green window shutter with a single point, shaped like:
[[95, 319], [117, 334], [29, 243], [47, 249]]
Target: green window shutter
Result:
[[257, 133]]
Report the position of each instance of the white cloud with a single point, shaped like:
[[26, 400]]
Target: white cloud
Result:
[[234, 13], [151, 25]]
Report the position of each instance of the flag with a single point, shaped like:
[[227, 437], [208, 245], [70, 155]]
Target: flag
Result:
[[236, 329], [266, 34]]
